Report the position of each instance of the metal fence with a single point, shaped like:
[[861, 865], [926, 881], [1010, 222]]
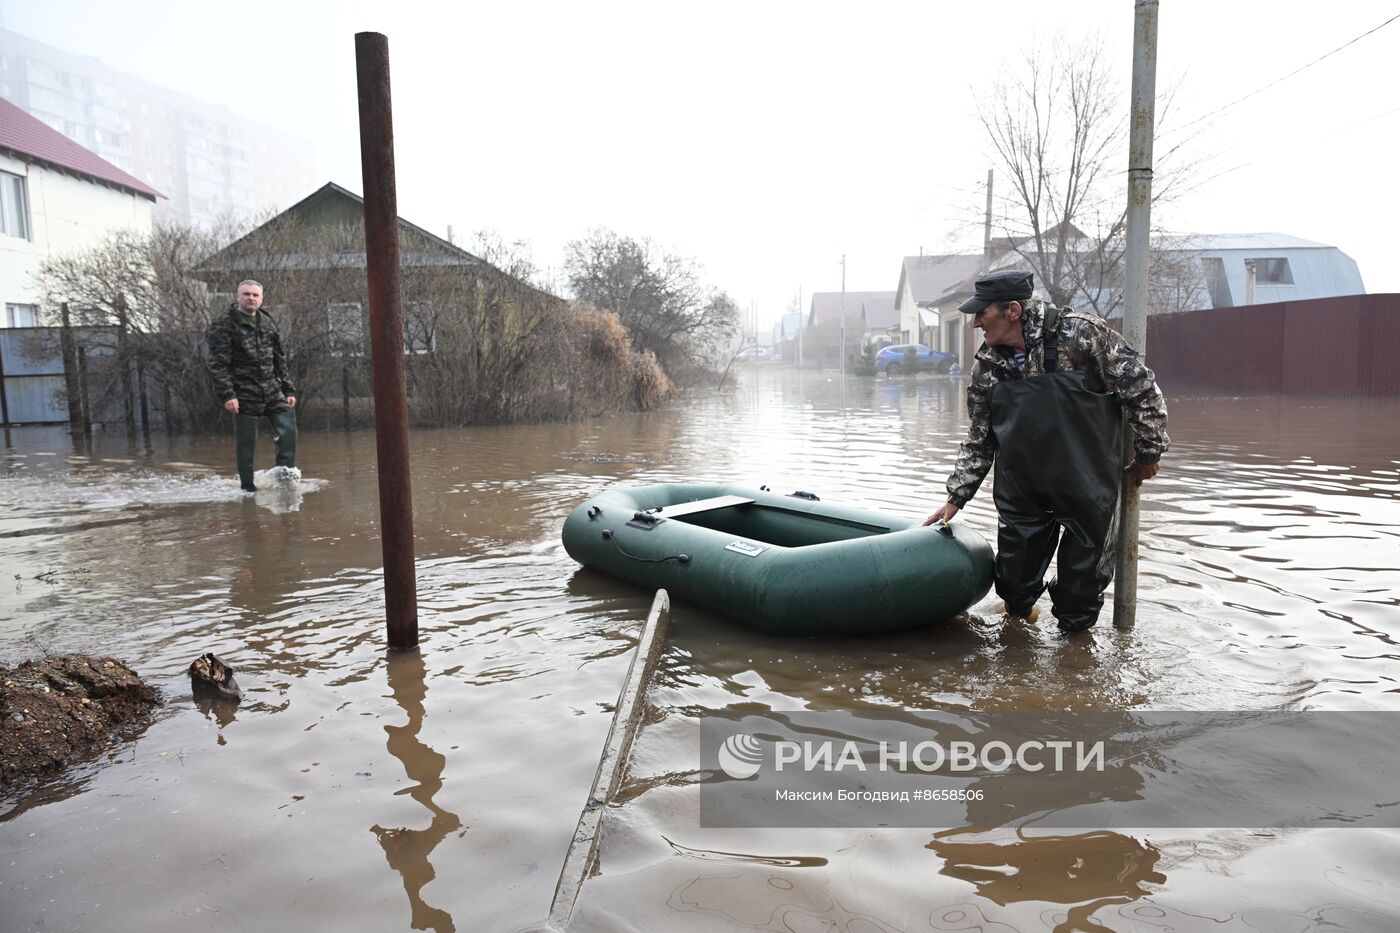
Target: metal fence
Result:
[[1344, 346], [31, 380], [33, 385]]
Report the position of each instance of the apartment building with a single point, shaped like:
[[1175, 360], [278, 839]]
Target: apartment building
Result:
[[209, 161]]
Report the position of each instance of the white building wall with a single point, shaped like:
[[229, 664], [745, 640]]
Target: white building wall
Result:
[[66, 213], [908, 314]]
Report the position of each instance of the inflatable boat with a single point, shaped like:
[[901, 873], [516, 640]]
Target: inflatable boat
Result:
[[787, 564]]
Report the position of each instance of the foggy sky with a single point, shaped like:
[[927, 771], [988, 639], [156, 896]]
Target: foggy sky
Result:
[[768, 139]]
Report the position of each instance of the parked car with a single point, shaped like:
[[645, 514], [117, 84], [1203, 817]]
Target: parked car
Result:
[[912, 358], [755, 353]]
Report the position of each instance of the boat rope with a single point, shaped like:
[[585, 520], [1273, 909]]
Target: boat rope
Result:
[[678, 558]]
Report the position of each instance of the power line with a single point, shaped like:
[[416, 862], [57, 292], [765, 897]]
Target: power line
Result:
[[1295, 71], [1376, 117]]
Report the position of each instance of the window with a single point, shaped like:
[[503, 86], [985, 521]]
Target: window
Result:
[[14, 206], [21, 315], [347, 329], [418, 336], [1216, 282], [1272, 272]]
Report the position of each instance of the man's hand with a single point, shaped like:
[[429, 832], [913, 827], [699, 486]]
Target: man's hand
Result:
[[291, 401], [943, 515], [1142, 471], [231, 406]]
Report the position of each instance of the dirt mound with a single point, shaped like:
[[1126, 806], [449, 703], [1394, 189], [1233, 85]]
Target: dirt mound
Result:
[[54, 711]]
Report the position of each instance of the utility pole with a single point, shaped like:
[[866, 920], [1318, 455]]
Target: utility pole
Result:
[[386, 339], [1141, 124], [987, 221], [801, 325], [843, 315]]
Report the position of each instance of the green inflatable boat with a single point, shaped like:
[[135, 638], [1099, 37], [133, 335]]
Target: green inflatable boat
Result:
[[787, 564]]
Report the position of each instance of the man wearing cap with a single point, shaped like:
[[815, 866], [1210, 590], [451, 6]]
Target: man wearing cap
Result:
[[1049, 387]]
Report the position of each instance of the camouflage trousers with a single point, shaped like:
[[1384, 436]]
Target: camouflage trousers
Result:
[[245, 434]]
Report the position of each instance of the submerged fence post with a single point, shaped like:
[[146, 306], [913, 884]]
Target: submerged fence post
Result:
[[1140, 132], [69, 346], [386, 338], [4, 399]]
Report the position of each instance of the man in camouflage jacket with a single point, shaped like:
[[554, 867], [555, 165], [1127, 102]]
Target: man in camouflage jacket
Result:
[[249, 370], [1056, 469]]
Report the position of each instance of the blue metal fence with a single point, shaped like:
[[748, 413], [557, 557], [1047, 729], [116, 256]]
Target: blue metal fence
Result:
[[33, 388]]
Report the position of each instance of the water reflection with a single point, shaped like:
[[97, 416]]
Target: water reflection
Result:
[[222, 709], [1267, 582], [1102, 867], [769, 901], [407, 850]]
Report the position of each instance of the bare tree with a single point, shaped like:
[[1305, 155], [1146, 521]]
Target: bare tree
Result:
[[482, 343], [659, 297], [1057, 124], [132, 294]]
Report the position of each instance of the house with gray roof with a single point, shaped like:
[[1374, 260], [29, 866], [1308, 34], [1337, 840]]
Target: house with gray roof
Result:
[[868, 315], [922, 279], [1192, 272], [279, 247], [1284, 268]]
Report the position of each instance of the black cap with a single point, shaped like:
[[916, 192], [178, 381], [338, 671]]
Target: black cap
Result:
[[999, 286]]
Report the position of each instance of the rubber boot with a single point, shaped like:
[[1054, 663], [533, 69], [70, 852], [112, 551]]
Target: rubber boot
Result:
[[245, 439], [284, 433]]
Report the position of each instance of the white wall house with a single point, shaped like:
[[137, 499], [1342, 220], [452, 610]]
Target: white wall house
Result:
[[55, 197], [921, 280]]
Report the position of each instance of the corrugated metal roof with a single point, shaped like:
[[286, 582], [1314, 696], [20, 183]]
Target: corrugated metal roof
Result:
[[1221, 241], [931, 276], [32, 139], [1324, 272]]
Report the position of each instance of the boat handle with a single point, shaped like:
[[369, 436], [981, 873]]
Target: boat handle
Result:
[[678, 558], [804, 494]]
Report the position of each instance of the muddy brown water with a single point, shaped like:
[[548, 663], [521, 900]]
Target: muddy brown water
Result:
[[440, 791]]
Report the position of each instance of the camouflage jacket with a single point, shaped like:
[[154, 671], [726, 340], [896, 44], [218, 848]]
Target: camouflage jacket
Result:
[[247, 363], [1086, 343]]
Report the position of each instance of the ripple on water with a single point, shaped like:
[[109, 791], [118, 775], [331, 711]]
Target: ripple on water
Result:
[[451, 785]]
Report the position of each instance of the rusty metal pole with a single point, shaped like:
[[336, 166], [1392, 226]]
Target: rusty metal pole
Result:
[[386, 339], [1141, 126]]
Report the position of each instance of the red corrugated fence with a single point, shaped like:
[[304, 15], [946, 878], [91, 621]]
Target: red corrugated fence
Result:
[[1347, 346]]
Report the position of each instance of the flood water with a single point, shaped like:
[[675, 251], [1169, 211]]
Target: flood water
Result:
[[355, 791]]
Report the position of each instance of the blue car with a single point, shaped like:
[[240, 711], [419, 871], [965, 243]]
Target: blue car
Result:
[[912, 358]]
